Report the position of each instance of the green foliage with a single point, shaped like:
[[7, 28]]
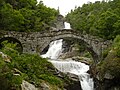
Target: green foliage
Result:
[[46, 14], [9, 48], [25, 15], [100, 19], [18, 4], [81, 48], [111, 64], [116, 45], [105, 53], [10, 19], [87, 54], [105, 24], [29, 67], [114, 67]]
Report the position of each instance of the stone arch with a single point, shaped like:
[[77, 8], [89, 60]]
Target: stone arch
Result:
[[12, 40], [88, 47], [79, 39]]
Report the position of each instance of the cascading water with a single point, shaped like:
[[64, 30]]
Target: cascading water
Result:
[[76, 68], [55, 49], [70, 66], [67, 25]]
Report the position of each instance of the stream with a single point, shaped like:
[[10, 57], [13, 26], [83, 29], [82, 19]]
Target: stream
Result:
[[65, 66]]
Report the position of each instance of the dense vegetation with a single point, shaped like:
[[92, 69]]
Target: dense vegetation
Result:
[[25, 15], [30, 67], [111, 64], [100, 18]]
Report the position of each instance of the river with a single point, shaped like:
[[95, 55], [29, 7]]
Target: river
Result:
[[74, 67]]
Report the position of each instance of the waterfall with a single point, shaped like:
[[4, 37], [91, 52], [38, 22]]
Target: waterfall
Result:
[[67, 25], [74, 67], [55, 49]]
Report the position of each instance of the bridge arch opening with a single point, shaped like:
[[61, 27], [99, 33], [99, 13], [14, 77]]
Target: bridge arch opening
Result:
[[68, 40], [82, 48], [19, 47]]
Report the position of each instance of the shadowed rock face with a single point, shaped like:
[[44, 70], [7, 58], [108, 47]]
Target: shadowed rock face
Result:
[[107, 84], [71, 81], [33, 42], [107, 74], [74, 86]]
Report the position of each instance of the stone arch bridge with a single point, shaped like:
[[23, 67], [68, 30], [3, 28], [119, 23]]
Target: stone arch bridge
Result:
[[36, 41]]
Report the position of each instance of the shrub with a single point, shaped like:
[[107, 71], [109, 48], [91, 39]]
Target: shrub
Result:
[[116, 45], [29, 67], [111, 63]]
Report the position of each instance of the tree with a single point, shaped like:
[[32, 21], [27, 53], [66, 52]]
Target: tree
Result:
[[105, 24], [100, 19], [10, 19], [18, 4], [45, 13], [25, 15]]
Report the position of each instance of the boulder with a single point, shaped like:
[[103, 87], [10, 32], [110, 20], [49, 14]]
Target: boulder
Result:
[[27, 86]]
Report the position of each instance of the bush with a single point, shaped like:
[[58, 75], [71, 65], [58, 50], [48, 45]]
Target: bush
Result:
[[116, 45], [105, 52], [29, 67], [111, 64], [87, 54]]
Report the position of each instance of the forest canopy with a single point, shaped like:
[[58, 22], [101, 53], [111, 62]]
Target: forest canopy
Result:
[[101, 19], [25, 15]]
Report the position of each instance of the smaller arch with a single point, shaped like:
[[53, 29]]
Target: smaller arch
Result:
[[12, 40]]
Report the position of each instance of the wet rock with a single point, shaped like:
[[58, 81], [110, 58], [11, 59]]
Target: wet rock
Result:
[[71, 81], [107, 84], [82, 59], [73, 76], [74, 85]]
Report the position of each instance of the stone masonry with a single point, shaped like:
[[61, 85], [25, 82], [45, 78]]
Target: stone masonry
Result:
[[35, 42]]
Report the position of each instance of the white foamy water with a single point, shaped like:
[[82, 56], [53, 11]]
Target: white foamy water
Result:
[[54, 51], [70, 66], [67, 25], [76, 68]]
